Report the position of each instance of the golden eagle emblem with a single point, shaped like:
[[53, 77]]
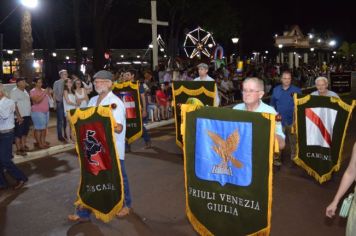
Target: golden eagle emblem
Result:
[[225, 149]]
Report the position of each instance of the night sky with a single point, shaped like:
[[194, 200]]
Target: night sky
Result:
[[259, 20]]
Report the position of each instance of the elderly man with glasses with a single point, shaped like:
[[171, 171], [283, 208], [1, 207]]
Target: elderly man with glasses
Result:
[[252, 93]]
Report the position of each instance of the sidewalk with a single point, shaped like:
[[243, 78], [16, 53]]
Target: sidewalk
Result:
[[58, 146]]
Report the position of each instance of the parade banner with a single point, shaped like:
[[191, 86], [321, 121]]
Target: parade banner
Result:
[[321, 124], [183, 90], [228, 158], [129, 93], [101, 186]]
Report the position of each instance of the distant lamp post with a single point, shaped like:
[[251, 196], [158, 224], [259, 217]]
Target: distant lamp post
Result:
[[311, 36], [312, 49], [319, 40], [280, 46], [332, 43], [85, 49], [26, 62], [234, 40]]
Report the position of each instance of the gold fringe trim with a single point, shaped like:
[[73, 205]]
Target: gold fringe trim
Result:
[[99, 215], [302, 100], [135, 136], [194, 92], [313, 173], [85, 114], [342, 104], [135, 86]]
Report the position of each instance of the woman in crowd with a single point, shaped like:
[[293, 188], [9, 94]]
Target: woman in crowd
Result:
[[347, 180], [69, 102], [80, 93], [87, 84], [40, 112], [162, 101]]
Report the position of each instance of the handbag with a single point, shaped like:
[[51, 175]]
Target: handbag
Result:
[[346, 205]]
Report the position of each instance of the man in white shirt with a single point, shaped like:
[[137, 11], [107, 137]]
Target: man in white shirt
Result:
[[7, 125], [252, 93], [103, 84], [203, 76], [322, 84], [23, 115]]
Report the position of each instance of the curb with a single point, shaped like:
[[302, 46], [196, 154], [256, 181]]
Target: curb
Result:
[[69, 147]]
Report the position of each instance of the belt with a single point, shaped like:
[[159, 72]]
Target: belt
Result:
[[5, 131]]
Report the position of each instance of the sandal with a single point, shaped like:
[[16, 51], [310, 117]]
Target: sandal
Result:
[[123, 212], [76, 218]]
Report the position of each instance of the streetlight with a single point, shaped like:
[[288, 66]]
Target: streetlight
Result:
[[29, 3], [26, 62], [332, 43], [235, 40]]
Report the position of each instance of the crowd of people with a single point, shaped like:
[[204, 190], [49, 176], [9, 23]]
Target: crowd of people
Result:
[[70, 92]]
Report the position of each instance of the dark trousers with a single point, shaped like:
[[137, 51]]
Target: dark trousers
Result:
[[61, 120], [6, 163]]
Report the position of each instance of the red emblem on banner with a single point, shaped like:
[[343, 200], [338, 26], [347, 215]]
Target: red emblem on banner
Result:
[[95, 149], [129, 101]]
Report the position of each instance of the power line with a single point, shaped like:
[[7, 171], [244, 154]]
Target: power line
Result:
[[3, 20]]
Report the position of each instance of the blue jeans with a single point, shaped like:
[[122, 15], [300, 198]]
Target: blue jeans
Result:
[[146, 137], [61, 120], [127, 195], [6, 163]]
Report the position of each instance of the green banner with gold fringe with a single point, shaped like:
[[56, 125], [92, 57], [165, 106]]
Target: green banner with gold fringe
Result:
[[129, 93], [321, 124], [202, 91], [101, 185], [228, 171]]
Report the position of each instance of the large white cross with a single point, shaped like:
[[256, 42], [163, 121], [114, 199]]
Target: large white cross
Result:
[[154, 22]]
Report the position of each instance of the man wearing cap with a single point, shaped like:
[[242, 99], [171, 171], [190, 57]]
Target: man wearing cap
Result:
[[102, 84], [203, 76], [23, 115], [58, 88], [322, 84]]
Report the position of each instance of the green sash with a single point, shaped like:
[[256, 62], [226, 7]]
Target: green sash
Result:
[[183, 90], [228, 171], [101, 186], [321, 124], [129, 93]]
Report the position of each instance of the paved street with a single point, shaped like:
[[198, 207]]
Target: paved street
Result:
[[157, 187]]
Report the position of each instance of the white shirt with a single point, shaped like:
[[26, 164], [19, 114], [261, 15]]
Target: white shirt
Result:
[[82, 95], [7, 114], [208, 78], [22, 100], [119, 114], [328, 94], [72, 99]]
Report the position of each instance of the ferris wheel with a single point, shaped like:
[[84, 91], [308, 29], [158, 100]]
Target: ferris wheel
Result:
[[198, 42]]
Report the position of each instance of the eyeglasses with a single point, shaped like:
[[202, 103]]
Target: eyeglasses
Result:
[[250, 91]]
